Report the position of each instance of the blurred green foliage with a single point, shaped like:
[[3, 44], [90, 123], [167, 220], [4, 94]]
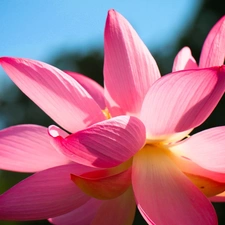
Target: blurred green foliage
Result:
[[16, 108]]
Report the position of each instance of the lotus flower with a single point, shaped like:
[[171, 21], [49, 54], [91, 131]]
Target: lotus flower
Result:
[[139, 140]]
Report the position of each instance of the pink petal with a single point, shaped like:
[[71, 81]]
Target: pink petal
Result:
[[189, 167], [218, 198], [27, 148], [182, 101], [55, 92], [207, 149], [210, 183], [93, 88], [112, 106], [105, 144], [119, 211], [213, 50], [80, 216], [164, 194], [184, 60], [104, 188], [46, 194], [129, 68]]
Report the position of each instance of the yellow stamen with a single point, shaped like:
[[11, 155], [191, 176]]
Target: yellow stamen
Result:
[[106, 113]]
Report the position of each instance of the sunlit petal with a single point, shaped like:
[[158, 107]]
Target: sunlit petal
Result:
[[55, 92], [105, 144], [27, 148], [206, 148], [213, 50], [129, 68], [92, 87], [182, 100], [184, 60], [164, 195]]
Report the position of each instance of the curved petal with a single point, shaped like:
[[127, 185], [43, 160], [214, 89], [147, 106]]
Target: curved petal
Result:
[[119, 211], [46, 194], [55, 92], [207, 186], [93, 88], [129, 68], [104, 188], [105, 144], [27, 148], [218, 198], [209, 183], [184, 60], [206, 148], [188, 167], [182, 100], [80, 216], [160, 188], [213, 50]]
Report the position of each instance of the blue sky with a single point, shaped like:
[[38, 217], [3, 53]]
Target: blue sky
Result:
[[39, 29]]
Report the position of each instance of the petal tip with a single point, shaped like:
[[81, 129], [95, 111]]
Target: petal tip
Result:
[[111, 12], [4, 59], [53, 131]]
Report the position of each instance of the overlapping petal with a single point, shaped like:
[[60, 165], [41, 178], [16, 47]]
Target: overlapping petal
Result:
[[218, 198], [119, 211], [104, 188], [187, 166], [213, 50], [27, 148], [209, 182], [182, 100], [206, 148], [46, 194], [105, 144], [184, 60], [55, 92], [164, 195], [93, 88], [129, 68], [80, 216]]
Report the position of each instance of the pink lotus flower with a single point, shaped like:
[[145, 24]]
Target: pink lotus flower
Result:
[[171, 179]]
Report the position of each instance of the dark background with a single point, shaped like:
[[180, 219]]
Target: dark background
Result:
[[16, 108]]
